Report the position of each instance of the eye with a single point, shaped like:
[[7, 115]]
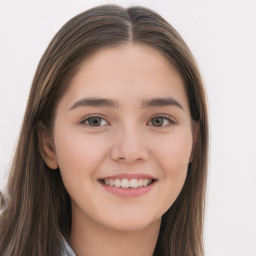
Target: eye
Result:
[[95, 121], [161, 121]]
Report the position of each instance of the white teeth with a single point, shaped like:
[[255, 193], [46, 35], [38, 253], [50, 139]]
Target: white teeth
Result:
[[145, 183], [117, 183], [140, 182], [126, 183], [134, 183], [111, 182]]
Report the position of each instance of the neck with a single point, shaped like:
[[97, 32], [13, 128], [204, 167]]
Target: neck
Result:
[[90, 238]]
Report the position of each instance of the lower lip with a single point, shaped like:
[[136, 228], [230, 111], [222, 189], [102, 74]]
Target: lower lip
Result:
[[128, 192]]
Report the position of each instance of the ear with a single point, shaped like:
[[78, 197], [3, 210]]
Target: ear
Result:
[[46, 146], [195, 131]]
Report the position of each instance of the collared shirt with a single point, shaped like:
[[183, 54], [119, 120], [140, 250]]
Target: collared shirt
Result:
[[67, 250]]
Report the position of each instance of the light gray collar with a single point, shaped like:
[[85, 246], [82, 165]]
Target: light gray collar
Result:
[[67, 249]]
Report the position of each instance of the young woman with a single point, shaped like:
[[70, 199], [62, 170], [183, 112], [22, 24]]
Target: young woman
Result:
[[112, 154]]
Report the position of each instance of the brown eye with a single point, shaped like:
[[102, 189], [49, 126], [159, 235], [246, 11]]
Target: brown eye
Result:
[[157, 121], [160, 121], [95, 121]]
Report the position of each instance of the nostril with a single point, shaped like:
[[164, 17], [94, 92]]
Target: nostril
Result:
[[129, 154]]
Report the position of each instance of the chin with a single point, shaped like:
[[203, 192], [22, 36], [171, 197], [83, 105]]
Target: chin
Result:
[[131, 224]]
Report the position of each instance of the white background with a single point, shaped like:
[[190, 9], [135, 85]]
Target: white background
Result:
[[222, 36]]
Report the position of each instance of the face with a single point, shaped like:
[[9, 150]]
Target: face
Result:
[[122, 137]]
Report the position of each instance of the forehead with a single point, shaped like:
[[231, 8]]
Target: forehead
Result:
[[129, 72]]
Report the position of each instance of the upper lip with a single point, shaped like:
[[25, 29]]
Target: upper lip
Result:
[[130, 176]]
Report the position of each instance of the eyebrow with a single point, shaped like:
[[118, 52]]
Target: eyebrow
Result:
[[95, 102], [102, 102], [161, 102]]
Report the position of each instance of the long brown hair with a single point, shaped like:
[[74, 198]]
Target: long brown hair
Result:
[[38, 215]]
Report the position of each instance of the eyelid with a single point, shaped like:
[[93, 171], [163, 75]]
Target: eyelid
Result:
[[82, 122], [171, 120]]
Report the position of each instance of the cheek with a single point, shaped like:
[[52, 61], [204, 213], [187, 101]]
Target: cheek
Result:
[[173, 151], [172, 155], [78, 154], [176, 158]]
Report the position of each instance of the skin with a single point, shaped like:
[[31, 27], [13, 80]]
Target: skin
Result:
[[126, 140]]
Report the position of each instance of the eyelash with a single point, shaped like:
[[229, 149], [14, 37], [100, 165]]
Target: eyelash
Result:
[[168, 119], [165, 118], [85, 121]]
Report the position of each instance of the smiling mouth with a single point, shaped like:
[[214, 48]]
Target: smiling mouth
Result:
[[127, 183]]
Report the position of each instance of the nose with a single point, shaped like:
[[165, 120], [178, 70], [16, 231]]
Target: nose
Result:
[[129, 146]]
